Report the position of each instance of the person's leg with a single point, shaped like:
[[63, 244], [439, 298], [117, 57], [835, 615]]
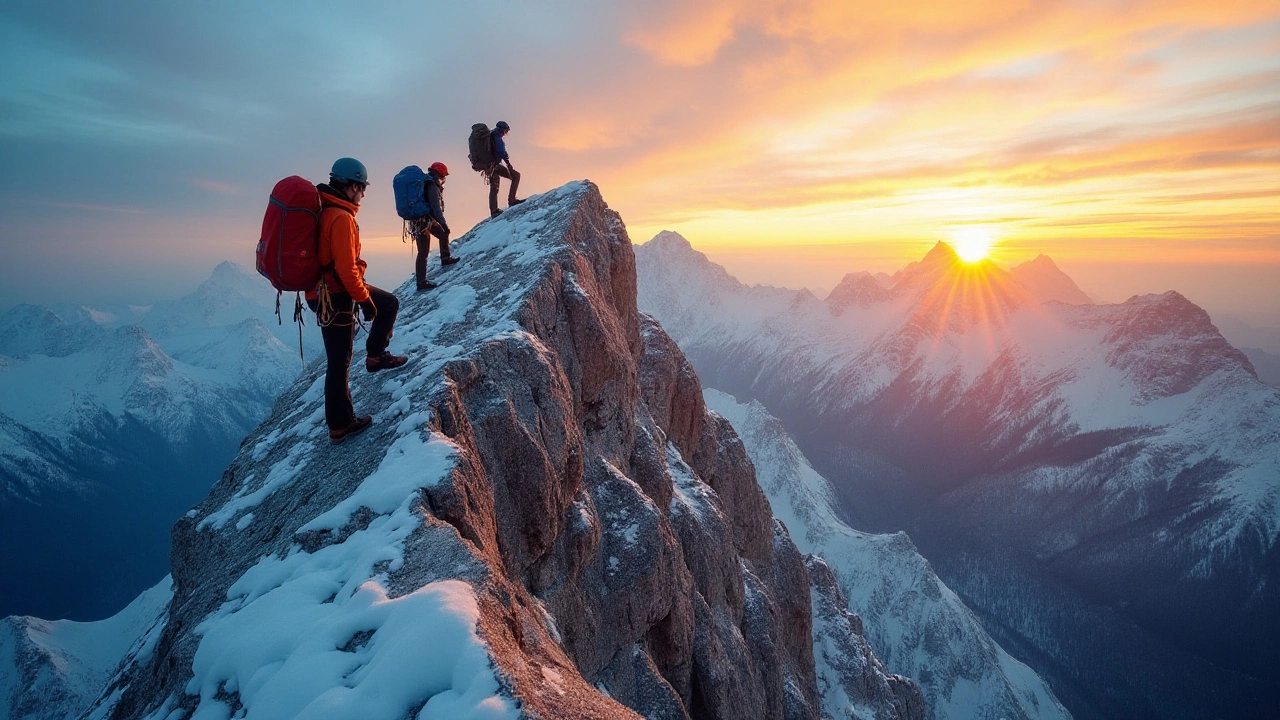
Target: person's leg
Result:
[[383, 323], [493, 189], [445, 252], [511, 192], [423, 240], [339, 337]]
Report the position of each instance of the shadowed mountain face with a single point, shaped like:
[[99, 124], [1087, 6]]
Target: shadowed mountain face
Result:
[[543, 521], [1098, 482], [113, 423], [918, 625]]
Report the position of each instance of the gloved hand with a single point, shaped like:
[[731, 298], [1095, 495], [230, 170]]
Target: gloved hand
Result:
[[369, 310]]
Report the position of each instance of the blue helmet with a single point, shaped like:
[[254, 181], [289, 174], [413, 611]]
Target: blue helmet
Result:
[[349, 170], [502, 125]]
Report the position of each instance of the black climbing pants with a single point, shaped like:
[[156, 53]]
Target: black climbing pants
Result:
[[422, 232], [339, 343], [498, 171]]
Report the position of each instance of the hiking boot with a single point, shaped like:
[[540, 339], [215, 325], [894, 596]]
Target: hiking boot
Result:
[[384, 361], [495, 212], [514, 201], [356, 427], [447, 261], [426, 285]]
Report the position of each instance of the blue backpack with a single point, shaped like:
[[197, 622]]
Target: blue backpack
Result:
[[409, 186]]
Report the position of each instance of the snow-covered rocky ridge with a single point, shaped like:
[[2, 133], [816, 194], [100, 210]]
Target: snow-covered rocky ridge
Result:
[[56, 669], [916, 623], [544, 521], [113, 422], [1116, 466]]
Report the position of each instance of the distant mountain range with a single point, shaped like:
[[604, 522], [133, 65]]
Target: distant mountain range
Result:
[[1101, 483], [114, 421], [56, 669]]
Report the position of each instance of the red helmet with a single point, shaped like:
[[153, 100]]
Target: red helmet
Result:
[[439, 169]]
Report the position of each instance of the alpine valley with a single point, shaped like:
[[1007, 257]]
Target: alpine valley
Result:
[[1100, 483], [113, 422]]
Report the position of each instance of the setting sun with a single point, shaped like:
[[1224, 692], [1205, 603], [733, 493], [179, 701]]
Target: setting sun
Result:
[[972, 244]]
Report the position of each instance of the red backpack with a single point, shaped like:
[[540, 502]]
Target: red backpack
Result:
[[289, 249]]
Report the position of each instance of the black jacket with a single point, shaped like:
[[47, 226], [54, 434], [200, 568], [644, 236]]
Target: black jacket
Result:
[[435, 200]]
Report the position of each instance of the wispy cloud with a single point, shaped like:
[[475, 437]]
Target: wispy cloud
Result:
[[222, 188]]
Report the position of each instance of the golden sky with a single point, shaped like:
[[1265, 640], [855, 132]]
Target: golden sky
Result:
[[1139, 130]]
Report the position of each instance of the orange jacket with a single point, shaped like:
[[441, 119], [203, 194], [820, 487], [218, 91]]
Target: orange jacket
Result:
[[340, 247]]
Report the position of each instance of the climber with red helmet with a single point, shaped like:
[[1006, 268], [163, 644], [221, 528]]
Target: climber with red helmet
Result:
[[432, 224]]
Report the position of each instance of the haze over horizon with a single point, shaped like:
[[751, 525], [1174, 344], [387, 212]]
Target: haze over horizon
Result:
[[1135, 144]]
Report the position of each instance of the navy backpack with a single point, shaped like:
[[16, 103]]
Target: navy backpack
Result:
[[409, 187]]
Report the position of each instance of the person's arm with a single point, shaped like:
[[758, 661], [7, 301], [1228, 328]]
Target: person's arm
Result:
[[344, 237], [433, 201], [500, 150]]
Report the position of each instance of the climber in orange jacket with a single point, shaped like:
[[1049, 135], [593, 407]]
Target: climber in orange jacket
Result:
[[344, 291]]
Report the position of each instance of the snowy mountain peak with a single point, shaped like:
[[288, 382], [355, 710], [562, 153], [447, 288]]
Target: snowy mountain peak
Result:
[[941, 254], [671, 239], [32, 316], [229, 275], [32, 329], [858, 289], [1047, 282], [1167, 345]]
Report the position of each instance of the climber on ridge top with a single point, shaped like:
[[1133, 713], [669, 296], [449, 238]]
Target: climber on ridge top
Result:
[[342, 292], [487, 151]]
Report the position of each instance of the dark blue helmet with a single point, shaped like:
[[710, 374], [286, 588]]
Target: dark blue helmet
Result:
[[502, 125]]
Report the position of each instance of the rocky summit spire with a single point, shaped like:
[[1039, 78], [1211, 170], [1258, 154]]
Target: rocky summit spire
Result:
[[544, 521]]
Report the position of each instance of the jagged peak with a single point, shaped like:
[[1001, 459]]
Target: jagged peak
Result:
[[941, 253], [31, 313], [1040, 260], [854, 277], [670, 257], [1047, 282], [860, 288], [671, 239], [228, 275], [230, 268]]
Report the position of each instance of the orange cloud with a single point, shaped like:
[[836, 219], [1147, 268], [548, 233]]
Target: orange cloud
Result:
[[749, 122]]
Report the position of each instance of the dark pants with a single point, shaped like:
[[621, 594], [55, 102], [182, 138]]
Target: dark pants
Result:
[[339, 341], [501, 170], [422, 232]]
